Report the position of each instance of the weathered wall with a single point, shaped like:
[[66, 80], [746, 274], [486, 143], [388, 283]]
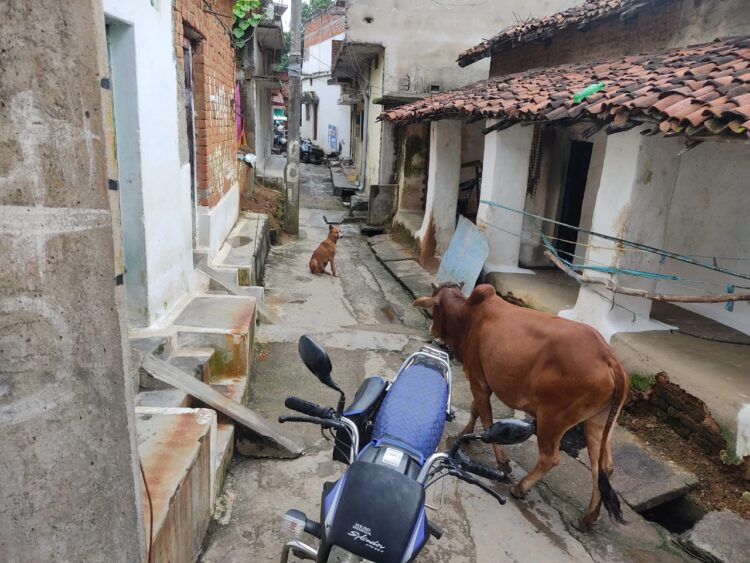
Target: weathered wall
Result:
[[68, 468], [662, 25], [440, 31], [376, 79], [316, 71], [504, 179], [156, 204], [708, 218], [415, 156], [215, 123]]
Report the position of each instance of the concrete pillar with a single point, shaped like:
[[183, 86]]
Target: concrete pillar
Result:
[[69, 475], [504, 178], [443, 177], [635, 192]]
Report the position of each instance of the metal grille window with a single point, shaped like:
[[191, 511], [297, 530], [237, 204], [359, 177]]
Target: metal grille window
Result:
[[535, 162]]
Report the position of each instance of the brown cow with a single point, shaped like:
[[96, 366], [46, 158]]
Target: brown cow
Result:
[[559, 371]]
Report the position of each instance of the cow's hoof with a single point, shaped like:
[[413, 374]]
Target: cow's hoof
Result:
[[505, 468], [583, 524], [516, 491]]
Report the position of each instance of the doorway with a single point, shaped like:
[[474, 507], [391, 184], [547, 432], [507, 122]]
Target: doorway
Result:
[[121, 61], [188, 50], [572, 198]]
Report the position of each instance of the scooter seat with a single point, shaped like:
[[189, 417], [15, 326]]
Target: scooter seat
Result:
[[412, 414]]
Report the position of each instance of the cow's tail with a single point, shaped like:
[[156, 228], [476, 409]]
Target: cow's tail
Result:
[[609, 496]]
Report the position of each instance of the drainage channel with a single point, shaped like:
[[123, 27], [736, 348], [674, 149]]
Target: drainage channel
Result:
[[676, 516]]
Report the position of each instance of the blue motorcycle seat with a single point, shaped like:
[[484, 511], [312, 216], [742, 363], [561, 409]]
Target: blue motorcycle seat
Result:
[[412, 415]]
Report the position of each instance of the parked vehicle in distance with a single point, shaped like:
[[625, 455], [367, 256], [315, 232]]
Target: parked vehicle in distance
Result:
[[310, 152]]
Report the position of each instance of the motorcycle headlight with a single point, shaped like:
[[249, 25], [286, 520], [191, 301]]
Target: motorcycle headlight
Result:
[[340, 555]]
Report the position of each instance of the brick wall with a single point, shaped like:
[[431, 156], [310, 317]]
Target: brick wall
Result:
[[213, 85], [324, 26], [654, 28]]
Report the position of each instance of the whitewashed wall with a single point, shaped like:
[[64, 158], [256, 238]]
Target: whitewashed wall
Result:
[[440, 31], [709, 217], [316, 71], [165, 226]]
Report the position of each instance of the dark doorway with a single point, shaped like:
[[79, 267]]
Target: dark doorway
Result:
[[572, 198], [188, 49]]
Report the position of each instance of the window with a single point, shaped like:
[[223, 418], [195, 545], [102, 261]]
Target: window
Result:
[[307, 112]]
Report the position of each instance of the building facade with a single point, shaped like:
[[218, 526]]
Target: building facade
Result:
[[377, 69], [324, 120]]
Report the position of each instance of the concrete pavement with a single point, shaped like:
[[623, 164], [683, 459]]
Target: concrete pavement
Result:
[[365, 319]]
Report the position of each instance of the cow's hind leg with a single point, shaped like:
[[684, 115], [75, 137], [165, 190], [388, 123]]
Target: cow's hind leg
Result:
[[471, 425], [484, 409], [593, 429], [548, 438]]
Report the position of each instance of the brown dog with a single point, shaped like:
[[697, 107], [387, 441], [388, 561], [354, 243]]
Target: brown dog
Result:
[[326, 253]]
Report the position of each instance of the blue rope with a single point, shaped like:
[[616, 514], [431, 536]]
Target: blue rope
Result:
[[607, 269], [658, 251]]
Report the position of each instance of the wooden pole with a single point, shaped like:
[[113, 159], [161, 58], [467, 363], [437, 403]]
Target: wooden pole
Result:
[[715, 298], [291, 172]]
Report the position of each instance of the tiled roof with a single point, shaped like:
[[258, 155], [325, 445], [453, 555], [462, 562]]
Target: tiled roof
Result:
[[541, 28], [697, 90]]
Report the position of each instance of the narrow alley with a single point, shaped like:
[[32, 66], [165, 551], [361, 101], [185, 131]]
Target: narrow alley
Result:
[[540, 317], [365, 320]]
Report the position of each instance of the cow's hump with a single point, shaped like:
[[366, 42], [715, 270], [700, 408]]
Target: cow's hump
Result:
[[481, 293]]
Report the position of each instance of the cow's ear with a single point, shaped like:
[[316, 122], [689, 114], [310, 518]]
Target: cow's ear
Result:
[[480, 293], [424, 302]]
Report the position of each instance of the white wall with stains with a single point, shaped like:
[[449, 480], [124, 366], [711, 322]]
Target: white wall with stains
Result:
[[163, 225], [708, 219], [438, 32], [316, 72]]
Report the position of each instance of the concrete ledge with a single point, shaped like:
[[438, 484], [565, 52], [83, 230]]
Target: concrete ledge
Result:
[[175, 447], [225, 323], [215, 223], [548, 290], [245, 250], [719, 537]]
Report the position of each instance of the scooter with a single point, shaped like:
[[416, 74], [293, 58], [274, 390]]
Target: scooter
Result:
[[388, 437]]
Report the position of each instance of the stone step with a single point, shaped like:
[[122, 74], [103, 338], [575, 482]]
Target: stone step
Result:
[[224, 452], [164, 398], [140, 347], [195, 361], [641, 478], [245, 249], [224, 281], [719, 537], [225, 323], [235, 388], [177, 453]]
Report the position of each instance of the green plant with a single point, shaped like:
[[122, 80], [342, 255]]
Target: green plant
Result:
[[641, 382], [313, 7], [246, 15]]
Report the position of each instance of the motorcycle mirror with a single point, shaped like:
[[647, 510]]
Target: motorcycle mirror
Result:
[[317, 361], [509, 431]]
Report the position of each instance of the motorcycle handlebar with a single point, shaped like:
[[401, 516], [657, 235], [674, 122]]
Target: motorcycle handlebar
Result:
[[482, 470], [308, 408], [325, 423]]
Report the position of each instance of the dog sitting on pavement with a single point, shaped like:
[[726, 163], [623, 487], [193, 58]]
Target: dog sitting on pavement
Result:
[[326, 252]]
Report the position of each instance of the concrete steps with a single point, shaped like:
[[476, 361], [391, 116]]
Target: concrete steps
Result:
[[243, 254], [225, 323], [177, 452], [186, 449]]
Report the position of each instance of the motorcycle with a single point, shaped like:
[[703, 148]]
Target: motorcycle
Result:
[[310, 152], [388, 437]]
